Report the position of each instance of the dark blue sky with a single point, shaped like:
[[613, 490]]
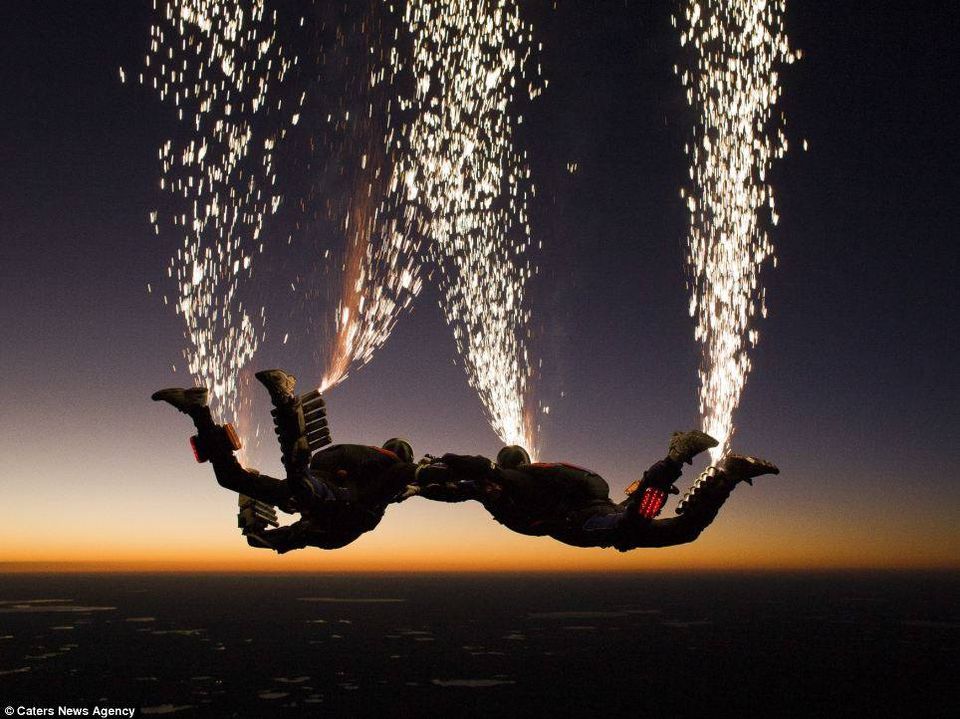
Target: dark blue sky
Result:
[[855, 383]]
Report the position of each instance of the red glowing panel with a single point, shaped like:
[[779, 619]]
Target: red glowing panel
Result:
[[652, 502]]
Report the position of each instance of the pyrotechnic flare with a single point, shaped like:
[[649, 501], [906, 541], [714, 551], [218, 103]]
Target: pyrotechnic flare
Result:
[[472, 187], [219, 62], [733, 85]]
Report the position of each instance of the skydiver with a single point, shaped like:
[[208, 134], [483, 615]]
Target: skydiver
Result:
[[340, 492], [573, 505]]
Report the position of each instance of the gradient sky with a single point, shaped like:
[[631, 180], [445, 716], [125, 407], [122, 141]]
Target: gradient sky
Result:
[[855, 384]]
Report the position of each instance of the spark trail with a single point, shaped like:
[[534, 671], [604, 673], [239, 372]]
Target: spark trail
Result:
[[472, 189], [733, 84], [381, 266], [219, 63]]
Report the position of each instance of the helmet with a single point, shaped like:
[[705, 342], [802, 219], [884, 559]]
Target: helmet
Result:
[[512, 456], [399, 447]]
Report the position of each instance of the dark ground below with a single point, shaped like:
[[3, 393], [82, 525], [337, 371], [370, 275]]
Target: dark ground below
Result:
[[490, 646]]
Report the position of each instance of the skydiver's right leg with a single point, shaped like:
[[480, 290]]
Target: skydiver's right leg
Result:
[[291, 430], [292, 436], [217, 444]]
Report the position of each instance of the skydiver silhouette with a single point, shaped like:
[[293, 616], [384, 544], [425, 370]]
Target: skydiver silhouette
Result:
[[341, 492], [573, 505]]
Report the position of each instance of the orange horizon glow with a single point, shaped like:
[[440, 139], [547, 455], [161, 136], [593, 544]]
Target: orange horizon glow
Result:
[[487, 549], [309, 567], [424, 537], [149, 508]]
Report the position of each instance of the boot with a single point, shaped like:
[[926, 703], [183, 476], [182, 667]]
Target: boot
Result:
[[715, 483], [184, 400], [684, 446], [743, 468], [288, 419], [279, 384]]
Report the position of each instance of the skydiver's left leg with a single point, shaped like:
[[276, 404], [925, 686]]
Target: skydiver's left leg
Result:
[[217, 444]]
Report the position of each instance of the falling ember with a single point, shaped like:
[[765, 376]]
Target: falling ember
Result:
[[472, 188], [733, 84], [218, 62]]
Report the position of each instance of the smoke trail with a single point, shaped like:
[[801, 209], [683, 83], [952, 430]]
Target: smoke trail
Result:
[[472, 187], [219, 62], [733, 84]]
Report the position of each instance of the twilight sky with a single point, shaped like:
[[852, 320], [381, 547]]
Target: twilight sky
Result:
[[854, 389]]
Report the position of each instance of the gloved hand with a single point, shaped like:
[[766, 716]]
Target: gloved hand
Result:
[[411, 490], [469, 468], [281, 540], [450, 492]]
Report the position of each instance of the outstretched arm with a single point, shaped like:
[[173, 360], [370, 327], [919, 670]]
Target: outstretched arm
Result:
[[453, 478], [302, 534]]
